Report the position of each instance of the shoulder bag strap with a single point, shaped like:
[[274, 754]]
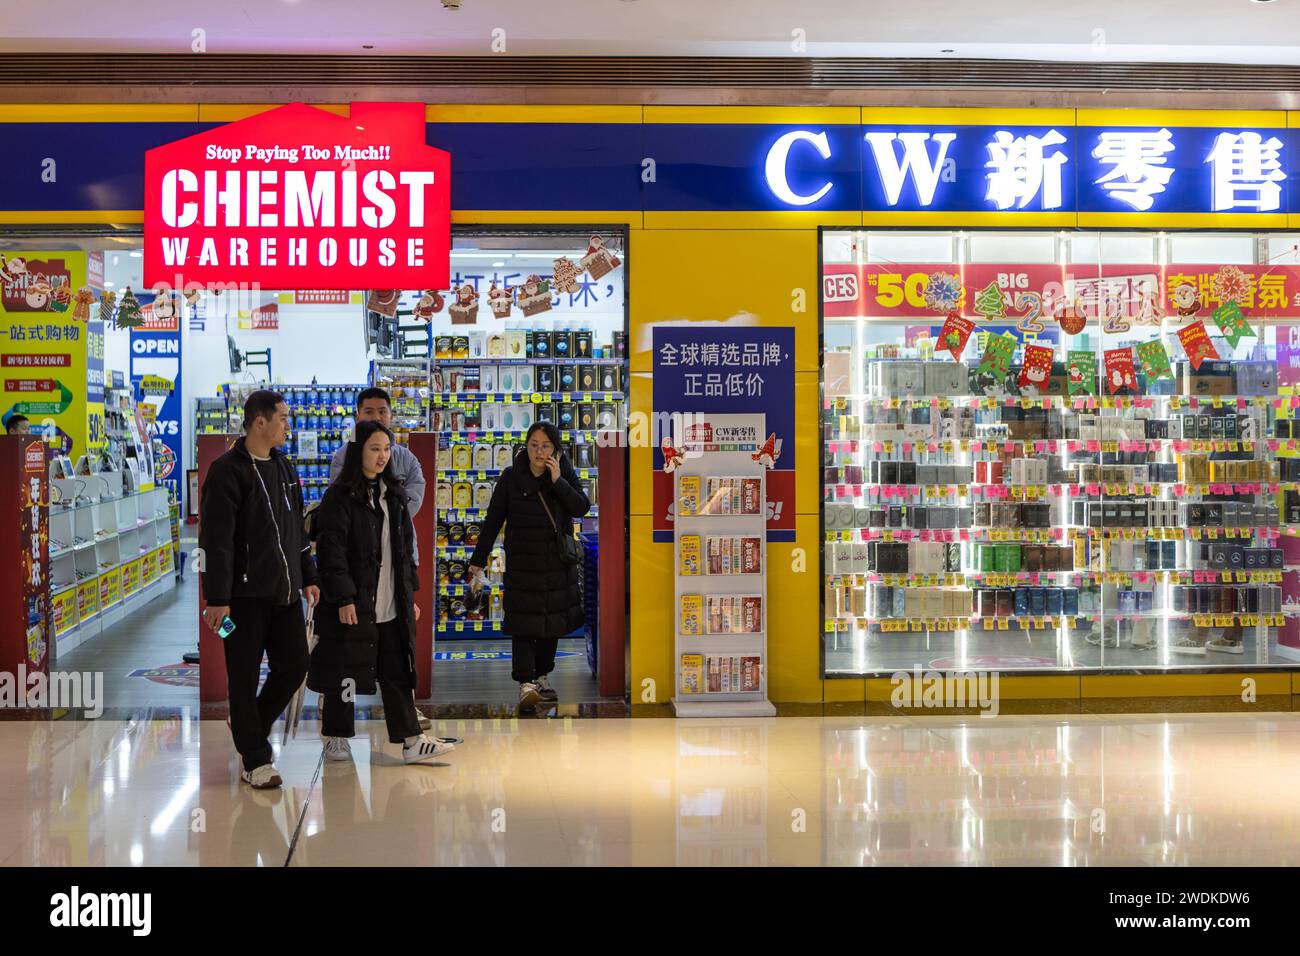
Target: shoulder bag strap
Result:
[[541, 496]]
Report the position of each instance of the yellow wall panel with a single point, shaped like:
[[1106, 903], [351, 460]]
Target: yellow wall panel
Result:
[[651, 569], [793, 632], [844, 690], [1181, 685], [752, 277], [808, 448]]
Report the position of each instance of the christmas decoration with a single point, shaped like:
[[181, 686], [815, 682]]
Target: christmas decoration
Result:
[[1196, 343], [566, 275], [1151, 311], [1071, 318], [1037, 370], [107, 302], [60, 298], [1186, 299], [534, 296], [672, 456], [997, 355], [1230, 284], [81, 303], [1154, 359], [1120, 373], [1030, 303], [465, 309], [500, 301], [954, 335], [1232, 323], [128, 311], [383, 301], [430, 303], [943, 292], [598, 261], [989, 304], [1081, 373], [768, 454]]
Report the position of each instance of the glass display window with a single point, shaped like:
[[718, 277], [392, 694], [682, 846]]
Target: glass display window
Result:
[[1050, 451]]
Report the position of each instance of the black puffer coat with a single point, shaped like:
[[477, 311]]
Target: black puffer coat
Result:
[[543, 597], [349, 536]]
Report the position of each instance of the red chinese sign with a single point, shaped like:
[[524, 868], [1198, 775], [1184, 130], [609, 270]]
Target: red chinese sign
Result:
[[298, 197]]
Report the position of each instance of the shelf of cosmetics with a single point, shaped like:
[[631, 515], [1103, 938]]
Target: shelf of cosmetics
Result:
[[1040, 476], [878, 602], [467, 494], [569, 414], [546, 377], [923, 424], [563, 342], [892, 378], [1084, 557]]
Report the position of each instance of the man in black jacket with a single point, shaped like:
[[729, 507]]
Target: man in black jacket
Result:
[[257, 566]]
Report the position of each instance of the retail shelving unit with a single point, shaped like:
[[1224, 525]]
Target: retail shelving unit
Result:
[[720, 596]]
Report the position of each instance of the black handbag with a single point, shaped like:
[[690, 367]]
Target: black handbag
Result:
[[571, 549]]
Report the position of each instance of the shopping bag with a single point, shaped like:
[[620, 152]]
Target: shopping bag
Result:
[[293, 714]]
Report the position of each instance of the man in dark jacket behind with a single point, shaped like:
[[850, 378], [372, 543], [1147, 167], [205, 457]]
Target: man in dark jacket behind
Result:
[[257, 565]]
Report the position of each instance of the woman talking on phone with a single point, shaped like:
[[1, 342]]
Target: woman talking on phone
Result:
[[367, 613], [537, 498]]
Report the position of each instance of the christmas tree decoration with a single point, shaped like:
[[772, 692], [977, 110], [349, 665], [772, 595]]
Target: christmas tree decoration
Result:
[[567, 275], [954, 335], [107, 303], [1081, 372], [1120, 373], [943, 292], [1037, 370], [1196, 343], [989, 302], [997, 355], [128, 311], [1230, 284], [1232, 323], [81, 303], [1154, 359]]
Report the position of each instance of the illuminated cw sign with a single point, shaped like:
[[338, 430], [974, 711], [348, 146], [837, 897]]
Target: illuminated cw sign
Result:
[[1041, 168]]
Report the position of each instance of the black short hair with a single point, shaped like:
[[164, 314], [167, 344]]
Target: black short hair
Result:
[[260, 404], [551, 431], [373, 392], [14, 422]]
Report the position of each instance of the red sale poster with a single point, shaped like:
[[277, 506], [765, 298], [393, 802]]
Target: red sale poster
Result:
[[1120, 373], [1038, 367]]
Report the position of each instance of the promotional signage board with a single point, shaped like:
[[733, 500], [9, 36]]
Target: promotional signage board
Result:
[[712, 369], [299, 197], [156, 377]]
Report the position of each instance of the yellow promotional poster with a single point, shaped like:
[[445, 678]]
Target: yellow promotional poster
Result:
[[166, 561], [64, 608], [149, 567], [110, 588], [52, 348], [130, 577], [87, 599]]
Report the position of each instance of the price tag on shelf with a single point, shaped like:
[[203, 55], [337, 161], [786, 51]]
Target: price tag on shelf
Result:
[[1003, 624]]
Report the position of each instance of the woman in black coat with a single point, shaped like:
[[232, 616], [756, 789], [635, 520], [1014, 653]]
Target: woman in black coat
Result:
[[367, 613], [543, 596]]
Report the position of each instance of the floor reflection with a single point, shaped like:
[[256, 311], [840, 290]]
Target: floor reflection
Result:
[[843, 791]]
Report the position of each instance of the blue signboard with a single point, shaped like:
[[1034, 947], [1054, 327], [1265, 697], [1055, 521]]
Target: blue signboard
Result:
[[156, 378], [701, 368]]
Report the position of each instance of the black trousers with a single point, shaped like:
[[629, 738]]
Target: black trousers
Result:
[[280, 633], [339, 716], [532, 657]]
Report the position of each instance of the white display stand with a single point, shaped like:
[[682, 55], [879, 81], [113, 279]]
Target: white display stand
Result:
[[721, 447]]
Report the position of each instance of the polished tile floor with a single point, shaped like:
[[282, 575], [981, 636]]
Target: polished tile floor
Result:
[[1088, 790]]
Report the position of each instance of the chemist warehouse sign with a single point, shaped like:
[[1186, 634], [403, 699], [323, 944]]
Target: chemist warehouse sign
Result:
[[301, 198]]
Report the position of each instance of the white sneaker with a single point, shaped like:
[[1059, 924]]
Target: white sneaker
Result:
[[337, 748], [1225, 646], [264, 777], [529, 694], [425, 748]]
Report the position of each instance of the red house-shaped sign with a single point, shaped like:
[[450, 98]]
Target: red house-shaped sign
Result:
[[301, 198]]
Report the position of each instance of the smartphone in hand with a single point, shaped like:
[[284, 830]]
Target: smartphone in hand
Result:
[[227, 627]]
